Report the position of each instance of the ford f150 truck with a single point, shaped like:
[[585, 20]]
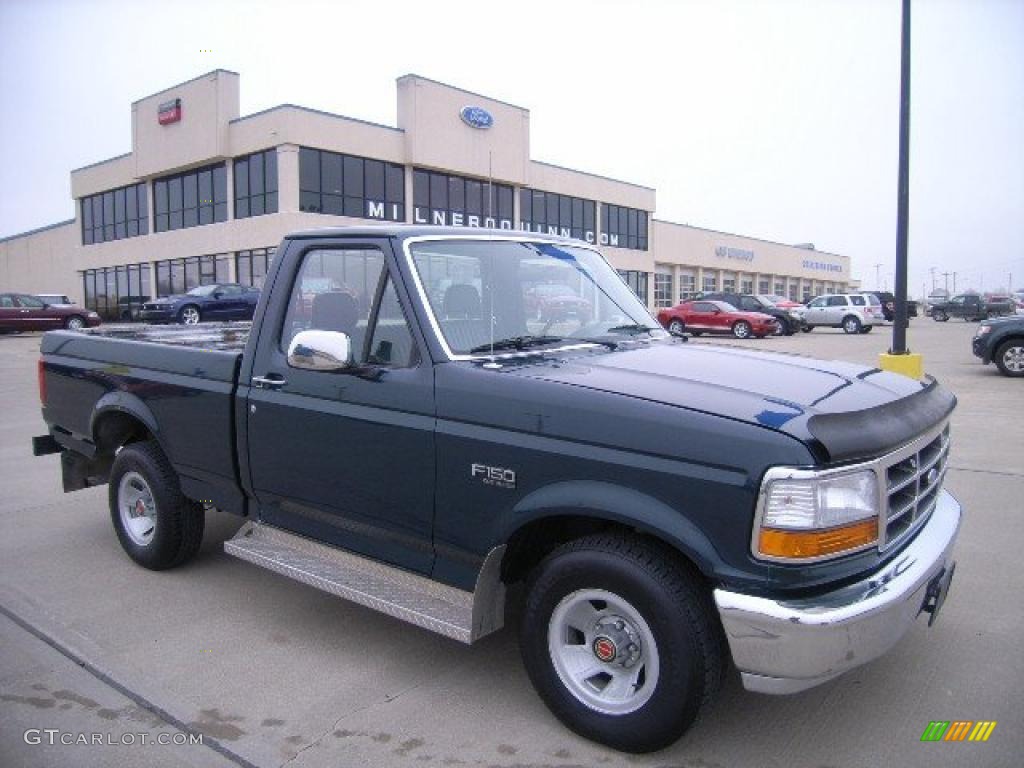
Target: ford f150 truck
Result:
[[970, 306], [401, 428]]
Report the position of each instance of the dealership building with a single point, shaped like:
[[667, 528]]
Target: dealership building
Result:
[[206, 194]]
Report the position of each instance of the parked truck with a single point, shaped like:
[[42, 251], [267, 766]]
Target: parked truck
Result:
[[398, 428], [970, 306]]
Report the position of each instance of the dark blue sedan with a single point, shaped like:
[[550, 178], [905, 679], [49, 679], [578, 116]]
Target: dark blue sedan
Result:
[[221, 301]]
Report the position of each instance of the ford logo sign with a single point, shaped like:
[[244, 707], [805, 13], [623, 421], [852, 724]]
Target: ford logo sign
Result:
[[476, 117]]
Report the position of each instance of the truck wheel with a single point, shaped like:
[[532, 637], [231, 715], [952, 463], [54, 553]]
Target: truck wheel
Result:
[[620, 642], [676, 326], [741, 329], [189, 315], [806, 328], [1009, 358], [851, 324], [939, 316], [157, 526], [74, 323]]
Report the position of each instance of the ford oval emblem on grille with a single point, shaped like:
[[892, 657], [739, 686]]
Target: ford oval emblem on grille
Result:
[[477, 117]]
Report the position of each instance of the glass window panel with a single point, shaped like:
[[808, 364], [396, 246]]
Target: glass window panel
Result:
[[505, 209], [220, 212], [353, 207], [396, 183], [190, 217], [270, 170], [551, 214], [421, 188], [271, 202], [108, 208], [525, 207], [577, 213], [375, 180], [190, 191], [174, 193], [206, 213], [256, 183], [241, 208], [330, 173], [456, 193], [86, 206], [564, 211], [241, 178], [474, 197], [221, 271], [309, 170], [333, 204], [160, 192], [438, 191], [119, 206], [220, 185], [257, 205], [131, 210], [354, 177]]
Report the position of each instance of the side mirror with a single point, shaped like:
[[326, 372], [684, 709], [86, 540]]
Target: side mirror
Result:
[[320, 351]]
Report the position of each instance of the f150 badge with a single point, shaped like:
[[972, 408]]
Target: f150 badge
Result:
[[499, 477]]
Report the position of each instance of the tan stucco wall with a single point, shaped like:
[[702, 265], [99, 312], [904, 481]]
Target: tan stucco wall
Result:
[[39, 262]]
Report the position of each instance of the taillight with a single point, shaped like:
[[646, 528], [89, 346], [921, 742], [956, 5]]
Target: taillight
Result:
[[42, 381]]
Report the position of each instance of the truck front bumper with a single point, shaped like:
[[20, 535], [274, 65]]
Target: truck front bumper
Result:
[[785, 646]]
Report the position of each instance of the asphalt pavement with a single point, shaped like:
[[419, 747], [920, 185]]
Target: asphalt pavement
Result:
[[271, 672]]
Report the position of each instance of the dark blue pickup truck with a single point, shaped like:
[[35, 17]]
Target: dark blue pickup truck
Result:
[[401, 427]]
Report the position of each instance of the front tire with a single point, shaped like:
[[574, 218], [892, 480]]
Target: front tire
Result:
[[620, 641], [851, 324], [74, 323], [1009, 358], [939, 316], [741, 329], [189, 315], [677, 327], [156, 524]]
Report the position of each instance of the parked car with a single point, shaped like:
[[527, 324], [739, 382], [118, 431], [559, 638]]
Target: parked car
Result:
[[55, 298], [1001, 341], [971, 306], [130, 307], [220, 301], [853, 312], [665, 505], [889, 305], [787, 321], [699, 316], [26, 312], [782, 301], [556, 301]]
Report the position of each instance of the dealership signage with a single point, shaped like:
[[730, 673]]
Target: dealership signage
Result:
[[740, 254], [441, 218], [169, 112], [821, 266], [476, 117]]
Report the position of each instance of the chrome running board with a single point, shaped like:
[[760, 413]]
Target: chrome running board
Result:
[[407, 596]]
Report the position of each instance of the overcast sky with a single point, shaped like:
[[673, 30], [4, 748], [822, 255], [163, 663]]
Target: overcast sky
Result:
[[775, 119]]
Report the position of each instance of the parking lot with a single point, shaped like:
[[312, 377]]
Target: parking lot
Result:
[[273, 672]]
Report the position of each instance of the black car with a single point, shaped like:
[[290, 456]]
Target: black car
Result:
[[788, 320], [220, 301], [889, 305], [1001, 341]]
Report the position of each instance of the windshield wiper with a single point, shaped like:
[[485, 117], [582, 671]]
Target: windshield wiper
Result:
[[631, 328], [515, 342]]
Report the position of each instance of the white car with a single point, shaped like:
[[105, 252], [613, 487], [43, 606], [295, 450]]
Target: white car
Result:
[[853, 312]]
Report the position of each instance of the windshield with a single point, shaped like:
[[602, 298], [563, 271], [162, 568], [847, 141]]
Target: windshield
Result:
[[203, 290], [488, 295]]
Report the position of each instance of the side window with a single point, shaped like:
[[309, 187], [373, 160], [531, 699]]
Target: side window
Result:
[[30, 301], [837, 301], [858, 301], [6, 301], [333, 292], [392, 342], [817, 303], [749, 304]]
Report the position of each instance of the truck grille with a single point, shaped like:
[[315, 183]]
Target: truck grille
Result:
[[913, 483]]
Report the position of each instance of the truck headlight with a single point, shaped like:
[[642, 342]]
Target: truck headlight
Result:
[[805, 515], [983, 329]]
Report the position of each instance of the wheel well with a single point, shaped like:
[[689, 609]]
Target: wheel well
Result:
[[117, 428], [536, 540]]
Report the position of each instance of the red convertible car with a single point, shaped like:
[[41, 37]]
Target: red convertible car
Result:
[[699, 317]]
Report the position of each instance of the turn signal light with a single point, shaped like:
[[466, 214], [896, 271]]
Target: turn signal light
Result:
[[804, 544]]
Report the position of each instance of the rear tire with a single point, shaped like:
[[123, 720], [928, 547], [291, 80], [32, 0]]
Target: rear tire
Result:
[[75, 323], [676, 326], [806, 328], [156, 524], [189, 315], [1009, 358], [851, 324], [632, 601], [741, 329]]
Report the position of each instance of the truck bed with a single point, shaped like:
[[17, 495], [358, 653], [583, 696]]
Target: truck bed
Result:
[[230, 337]]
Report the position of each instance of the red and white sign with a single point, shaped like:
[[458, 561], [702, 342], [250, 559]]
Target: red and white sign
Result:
[[169, 112]]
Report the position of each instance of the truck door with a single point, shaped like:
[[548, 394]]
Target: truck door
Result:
[[344, 457]]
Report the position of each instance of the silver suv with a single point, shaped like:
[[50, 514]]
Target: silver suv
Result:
[[853, 312]]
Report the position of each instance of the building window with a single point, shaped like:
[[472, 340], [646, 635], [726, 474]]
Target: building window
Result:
[[687, 286], [116, 293], [251, 266], [256, 184], [729, 284], [455, 201], [623, 227], [764, 286], [793, 292], [345, 185], [637, 281], [780, 288], [747, 285], [663, 289], [115, 215], [553, 214], [174, 276], [191, 199], [710, 282]]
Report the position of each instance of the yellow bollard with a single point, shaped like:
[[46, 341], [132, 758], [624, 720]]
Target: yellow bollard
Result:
[[910, 364]]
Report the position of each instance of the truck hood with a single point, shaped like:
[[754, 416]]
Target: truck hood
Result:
[[850, 410]]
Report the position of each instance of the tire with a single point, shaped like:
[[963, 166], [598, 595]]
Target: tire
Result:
[[781, 328], [189, 315], [1009, 358], [74, 323], [866, 329], [666, 618], [939, 316], [851, 324], [741, 329], [143, 481], [806, 328], [676, 326]]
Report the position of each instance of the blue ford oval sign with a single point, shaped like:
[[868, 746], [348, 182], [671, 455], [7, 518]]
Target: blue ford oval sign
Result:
[[477, 117]]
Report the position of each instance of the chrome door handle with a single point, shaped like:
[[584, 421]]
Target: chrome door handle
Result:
[[266, 382]]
